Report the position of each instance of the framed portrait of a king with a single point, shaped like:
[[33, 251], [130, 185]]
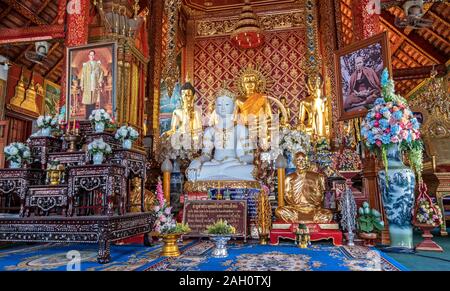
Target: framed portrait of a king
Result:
[[358, 71], [91, 79]]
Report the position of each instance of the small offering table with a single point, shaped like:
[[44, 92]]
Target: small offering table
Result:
[[317, 232]]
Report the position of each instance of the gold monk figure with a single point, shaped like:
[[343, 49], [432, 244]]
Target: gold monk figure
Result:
[[253, 103], [304, 196]]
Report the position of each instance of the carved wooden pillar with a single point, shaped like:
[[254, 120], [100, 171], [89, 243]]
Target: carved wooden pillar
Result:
[[154, 76], [77, 33], [366, 18]]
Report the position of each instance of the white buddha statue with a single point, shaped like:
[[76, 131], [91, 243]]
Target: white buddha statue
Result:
[[226, 154]]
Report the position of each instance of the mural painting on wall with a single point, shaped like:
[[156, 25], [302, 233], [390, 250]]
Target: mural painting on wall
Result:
[[52, 93], [281, 59], [91, 79], [168, 104]]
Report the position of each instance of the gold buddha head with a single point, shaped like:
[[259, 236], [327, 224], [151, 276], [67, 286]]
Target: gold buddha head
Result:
[[301, 161], [251, 81], [187, 93]]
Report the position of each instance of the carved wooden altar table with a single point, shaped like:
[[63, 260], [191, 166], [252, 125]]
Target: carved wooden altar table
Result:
[[47, 198], [17, 181], [41, 147], [134, 162], [109, 180], [91, 229]]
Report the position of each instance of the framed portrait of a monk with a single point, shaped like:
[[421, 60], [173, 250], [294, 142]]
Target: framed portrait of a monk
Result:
[[91, 78], [358, 71]]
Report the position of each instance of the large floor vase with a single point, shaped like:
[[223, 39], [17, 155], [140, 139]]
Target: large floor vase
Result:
[[398, 198], [220, 251]]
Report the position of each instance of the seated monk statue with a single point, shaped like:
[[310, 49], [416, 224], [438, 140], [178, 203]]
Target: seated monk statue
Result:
[[232, 159], [304, 195]]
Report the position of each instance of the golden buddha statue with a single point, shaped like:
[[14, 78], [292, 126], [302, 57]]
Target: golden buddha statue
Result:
[[304, 195], [252, 103], [313, 109], [284, 120], [188, 118]]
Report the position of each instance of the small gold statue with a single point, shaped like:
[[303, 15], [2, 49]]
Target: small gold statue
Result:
[[313, 109], [188, 118], [304, 195], [284, 120]]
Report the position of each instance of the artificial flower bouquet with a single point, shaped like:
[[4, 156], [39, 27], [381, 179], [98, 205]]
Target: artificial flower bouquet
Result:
[[391, 122], [46, 121], [165, 222], [126, 133], [47, 125], [99, 146], [17, 153], [221, 227], [101, 120]]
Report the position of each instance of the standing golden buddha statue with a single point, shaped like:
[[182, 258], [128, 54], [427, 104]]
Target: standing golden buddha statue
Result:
[[313, 109], [304, 195], [252, 103], [188, 118]]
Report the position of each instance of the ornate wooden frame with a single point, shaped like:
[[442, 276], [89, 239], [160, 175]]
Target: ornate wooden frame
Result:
[[381, 39], [69, 51]]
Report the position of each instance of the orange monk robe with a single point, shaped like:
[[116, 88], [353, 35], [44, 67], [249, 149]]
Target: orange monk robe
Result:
[[255, 104]]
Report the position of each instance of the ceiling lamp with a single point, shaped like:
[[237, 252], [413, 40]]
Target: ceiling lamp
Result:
[[247, 33]]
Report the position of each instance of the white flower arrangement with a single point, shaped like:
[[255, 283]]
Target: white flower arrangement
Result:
[[100, 115], [126, 132], [17, 152], [46, 121], [99, 146], [294, 141]]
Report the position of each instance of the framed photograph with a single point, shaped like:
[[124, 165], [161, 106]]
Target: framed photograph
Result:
[[91, 79], [358, 72]]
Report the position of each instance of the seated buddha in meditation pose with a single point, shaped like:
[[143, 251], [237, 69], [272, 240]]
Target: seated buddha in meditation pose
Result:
[[225, 154], [253, 107], [304, 196]]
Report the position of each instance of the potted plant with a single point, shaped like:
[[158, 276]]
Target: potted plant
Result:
[[220, 232], [98, 149], [100, 119], [369, 223], [166, 226], [47, 124], [389, 129], [17, 153], [127, 135], [427, 216]]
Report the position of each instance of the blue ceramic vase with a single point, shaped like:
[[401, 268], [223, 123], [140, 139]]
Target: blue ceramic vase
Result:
[[398, 198]]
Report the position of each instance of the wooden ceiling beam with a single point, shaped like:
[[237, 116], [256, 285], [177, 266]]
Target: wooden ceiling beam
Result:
[[25, 12], [418, 73], [414, 40], [58, 63], [5, 12], [439, 18]]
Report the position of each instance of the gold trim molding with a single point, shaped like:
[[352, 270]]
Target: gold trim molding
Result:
[[286, 20], [204, 186]]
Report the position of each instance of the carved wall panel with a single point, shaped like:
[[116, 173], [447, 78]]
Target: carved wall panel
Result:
[[281, 59]]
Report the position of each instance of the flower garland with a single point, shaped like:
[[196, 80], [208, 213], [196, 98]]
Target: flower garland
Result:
[[426, 212], [390, 122]]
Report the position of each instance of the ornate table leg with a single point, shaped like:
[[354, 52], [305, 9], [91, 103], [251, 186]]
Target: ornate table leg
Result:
[[440, 200], [104, 255], [23, 188]]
